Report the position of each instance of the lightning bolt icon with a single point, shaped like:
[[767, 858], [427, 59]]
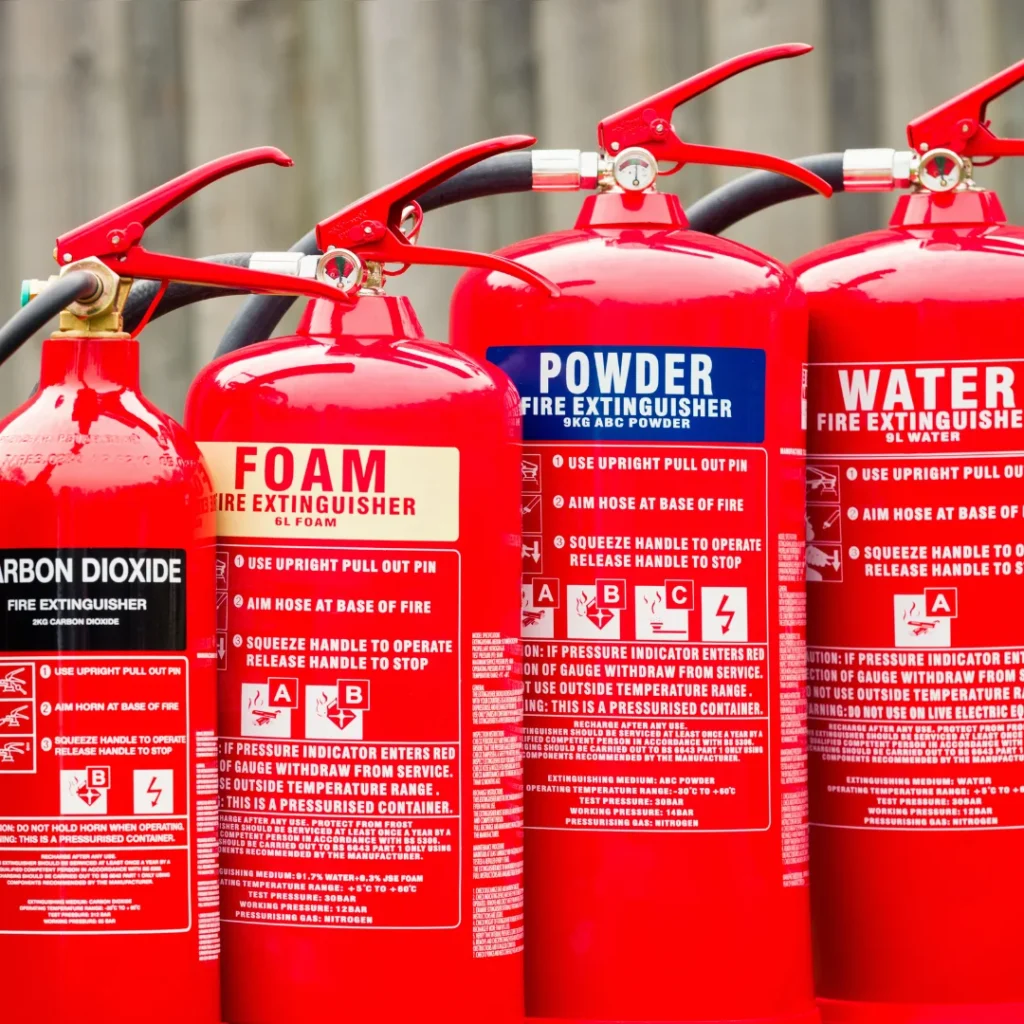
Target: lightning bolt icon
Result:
[[727, 613], [154, 791]]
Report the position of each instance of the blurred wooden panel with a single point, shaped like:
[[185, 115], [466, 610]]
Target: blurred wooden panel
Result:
[[780, 108]]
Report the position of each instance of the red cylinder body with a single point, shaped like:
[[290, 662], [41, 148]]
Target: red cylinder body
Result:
[[663, 617], [108, 770], [371, 698], [915, 553]]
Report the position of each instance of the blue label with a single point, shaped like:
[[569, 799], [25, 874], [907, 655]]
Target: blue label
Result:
[[628, 393]]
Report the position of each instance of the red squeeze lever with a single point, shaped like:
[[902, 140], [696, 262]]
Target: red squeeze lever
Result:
[[649, 123], [115, 237], [371, 228], [959, 124]]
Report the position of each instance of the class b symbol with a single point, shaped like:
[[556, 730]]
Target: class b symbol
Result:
[[610, 594]]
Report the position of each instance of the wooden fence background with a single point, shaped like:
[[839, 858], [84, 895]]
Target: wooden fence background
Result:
[[103, 99]]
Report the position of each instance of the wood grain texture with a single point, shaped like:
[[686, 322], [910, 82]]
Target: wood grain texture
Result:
[[102, 99]]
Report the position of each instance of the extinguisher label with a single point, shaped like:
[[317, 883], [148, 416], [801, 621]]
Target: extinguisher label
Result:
[[92, 599], [98, 772], [342, 738], [632, 393], [915, 556], [646, 649], [333, 491]]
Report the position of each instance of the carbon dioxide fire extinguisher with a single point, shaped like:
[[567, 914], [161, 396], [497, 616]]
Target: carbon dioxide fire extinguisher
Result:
[[662, 608], [108, 757], [371, 698]]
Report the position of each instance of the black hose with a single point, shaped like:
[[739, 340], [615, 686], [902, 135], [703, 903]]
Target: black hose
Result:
[[506, 172], [43, 308], [740, 198]]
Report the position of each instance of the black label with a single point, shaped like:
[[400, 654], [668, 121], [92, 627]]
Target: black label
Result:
[[92, 599]]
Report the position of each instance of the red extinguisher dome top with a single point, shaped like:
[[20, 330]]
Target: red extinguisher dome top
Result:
[[627, 281], [981, 264]]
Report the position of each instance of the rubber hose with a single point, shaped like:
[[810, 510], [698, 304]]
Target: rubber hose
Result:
[[178, 294], [43, 308], [506, 172], [757, 191]]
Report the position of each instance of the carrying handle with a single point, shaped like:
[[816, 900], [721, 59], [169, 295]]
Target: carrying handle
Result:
[[371, 228], [959, 124], [648, 124], [115, 238]]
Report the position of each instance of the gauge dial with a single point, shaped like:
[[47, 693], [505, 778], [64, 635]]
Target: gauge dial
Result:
[[635, 169], [942, 170]]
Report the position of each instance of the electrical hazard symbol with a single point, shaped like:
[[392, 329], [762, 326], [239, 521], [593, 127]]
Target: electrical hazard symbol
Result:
[[589, 618], [541, 597], [84, 790], [723, 615], [261, 716], [923, 620], [329, 715], [153, 791]]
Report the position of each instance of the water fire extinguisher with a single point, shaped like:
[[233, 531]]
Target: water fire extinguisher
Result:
[[662, 608], [915, 552], [371, 698], [108, 758]]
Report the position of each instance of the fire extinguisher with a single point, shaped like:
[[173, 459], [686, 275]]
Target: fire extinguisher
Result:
[[108, 757], [915, 547], [662, 612], [371, 698]]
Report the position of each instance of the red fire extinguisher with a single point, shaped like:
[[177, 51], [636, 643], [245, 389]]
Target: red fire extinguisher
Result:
[[915, 554], [662, 598], [371, 699], [108, 758]]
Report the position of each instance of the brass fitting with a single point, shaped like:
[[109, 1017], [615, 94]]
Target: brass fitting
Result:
[[101, 312]]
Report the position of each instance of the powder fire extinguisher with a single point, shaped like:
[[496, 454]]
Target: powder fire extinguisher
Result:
[[915, 554], [371, 699], [108, 759], [662, 598]]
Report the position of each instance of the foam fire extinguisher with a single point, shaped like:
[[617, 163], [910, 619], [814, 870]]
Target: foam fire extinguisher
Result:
[[108, 758], [371, 700], [662, 608], [915, 553]]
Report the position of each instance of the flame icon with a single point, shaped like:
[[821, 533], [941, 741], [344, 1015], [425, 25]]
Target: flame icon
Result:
[[919, 626], [261, 715], [652, 604], [327, 707], [582, 604]]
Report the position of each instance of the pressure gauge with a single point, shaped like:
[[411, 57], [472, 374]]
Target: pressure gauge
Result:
[[941, 170], [634, 169]]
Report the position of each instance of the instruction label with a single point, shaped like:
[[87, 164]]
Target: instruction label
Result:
[[340, 787], [97, 775], [915, 554], [646, 657]]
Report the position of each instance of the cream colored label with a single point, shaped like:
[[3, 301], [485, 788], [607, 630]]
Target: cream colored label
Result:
[[334, 491]]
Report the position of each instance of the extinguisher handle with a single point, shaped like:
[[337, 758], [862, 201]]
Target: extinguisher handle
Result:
[[649, 123], [115, 238], [371, 227], [959, 124]]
